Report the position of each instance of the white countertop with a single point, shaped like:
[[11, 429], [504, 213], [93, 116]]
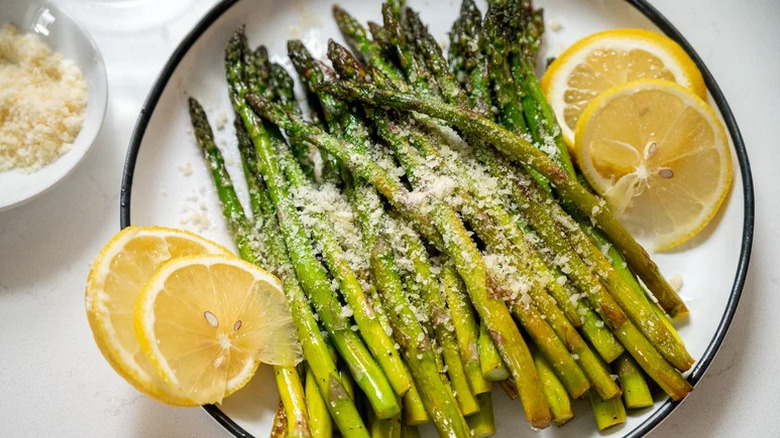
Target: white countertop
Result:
[[54, 381]]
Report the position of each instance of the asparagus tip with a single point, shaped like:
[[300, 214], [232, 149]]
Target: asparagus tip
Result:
[[294, 46], [265, 108], [261, 52], [338, 11], [197, 114]]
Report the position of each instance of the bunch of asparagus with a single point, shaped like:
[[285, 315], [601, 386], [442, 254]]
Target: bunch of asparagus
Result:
[[433, 236]]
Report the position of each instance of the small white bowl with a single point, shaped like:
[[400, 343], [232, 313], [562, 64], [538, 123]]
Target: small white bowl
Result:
[[61, 32]]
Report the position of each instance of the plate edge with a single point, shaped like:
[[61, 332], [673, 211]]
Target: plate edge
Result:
[[646, 9]]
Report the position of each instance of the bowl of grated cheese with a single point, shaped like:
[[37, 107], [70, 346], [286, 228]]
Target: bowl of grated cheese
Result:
[[53, 96]]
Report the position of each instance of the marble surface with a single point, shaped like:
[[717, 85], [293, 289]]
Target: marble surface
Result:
[[54, 382]]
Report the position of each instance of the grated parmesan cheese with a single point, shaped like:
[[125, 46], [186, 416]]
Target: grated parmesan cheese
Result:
[[185, 168], [676, 281], [221, 121], [194, 212], [43, 98]]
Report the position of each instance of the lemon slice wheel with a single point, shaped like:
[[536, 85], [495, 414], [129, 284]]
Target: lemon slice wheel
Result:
[[607, 59], [206, 322], [660, 157], [116, 278]]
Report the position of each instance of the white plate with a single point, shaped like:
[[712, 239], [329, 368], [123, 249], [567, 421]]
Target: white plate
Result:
[[64, 35], [165, 193]]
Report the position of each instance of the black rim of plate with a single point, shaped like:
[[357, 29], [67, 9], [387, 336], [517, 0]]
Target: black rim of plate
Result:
[[648, 11]]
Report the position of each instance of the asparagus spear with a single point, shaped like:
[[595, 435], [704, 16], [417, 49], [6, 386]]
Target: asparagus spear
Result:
[[312, 73], [483, 423], [314, 347], [310, 272], [468, 41], [356, 36], [455, 57], [320, 422], [256, 71], [529, 24], [510, 113], [420, 308], [490, 362], [279, 426], [414, 72], [441, 406], [466, 328], [283, 86], [560, 403], [382, 39], [538, 114], [387, 428], [607, 413], [397, 7], [636, 394], [451, 236], [430, 51], [410, 432], [510, 389], [294, 401], [414, 408]]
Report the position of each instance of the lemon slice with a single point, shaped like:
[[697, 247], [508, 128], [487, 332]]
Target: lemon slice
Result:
[[206, 322], [606, 59], [660, 157], [116, 278]]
